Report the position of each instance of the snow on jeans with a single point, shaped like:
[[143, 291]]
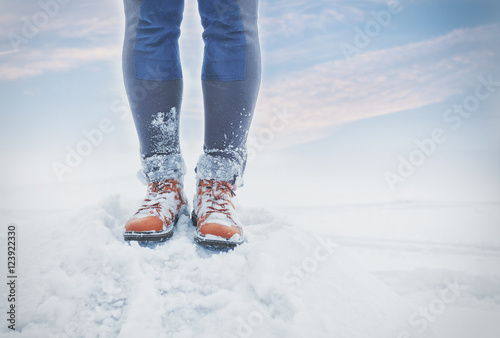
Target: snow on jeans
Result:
[[230, 81]]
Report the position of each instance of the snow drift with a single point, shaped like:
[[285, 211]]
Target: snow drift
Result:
[[78, 278]]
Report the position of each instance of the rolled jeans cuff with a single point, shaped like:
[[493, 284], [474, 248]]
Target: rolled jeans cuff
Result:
[[163, 167], [215, 167]]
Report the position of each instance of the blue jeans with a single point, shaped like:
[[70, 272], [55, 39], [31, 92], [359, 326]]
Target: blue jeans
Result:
[[230, 81]]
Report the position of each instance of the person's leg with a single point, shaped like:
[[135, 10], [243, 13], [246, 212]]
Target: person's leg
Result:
[[153, 81], [230, 80]]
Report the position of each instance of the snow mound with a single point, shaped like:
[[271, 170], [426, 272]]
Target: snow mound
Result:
[[78, 278]]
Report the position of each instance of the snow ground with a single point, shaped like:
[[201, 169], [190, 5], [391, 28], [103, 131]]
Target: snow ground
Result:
[[77, 278], [418, 249]]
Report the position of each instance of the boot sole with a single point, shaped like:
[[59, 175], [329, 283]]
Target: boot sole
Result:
[[155, 236], [211, 243]]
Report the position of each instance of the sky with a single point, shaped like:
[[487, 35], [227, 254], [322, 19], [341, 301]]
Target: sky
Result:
[[357, 86]]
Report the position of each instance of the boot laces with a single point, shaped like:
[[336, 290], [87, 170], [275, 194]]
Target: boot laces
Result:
[[157, 191], [218, 194]]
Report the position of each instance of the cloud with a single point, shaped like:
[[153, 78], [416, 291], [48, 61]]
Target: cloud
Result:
[[70, 35], [285, 18], [48, 23], [375, 83], [37, 62], [89, 28], [295, 22], [6, 52]]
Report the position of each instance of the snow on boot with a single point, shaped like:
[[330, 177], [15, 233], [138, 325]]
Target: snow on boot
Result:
[[156, 218], [214, 215]]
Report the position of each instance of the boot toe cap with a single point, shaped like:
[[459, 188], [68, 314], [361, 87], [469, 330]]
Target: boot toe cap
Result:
[[219, 230], [150, 223]]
